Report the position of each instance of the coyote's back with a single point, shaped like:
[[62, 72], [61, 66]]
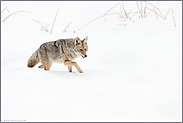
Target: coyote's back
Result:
[[60, 51]]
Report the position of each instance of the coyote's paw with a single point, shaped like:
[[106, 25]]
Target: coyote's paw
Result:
[[41, 67], [80, 71]]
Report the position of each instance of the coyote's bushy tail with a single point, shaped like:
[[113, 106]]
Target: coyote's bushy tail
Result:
[[33, 60]]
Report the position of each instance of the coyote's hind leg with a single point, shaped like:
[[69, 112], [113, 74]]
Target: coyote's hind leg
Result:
[[47, 65], [70, 68]]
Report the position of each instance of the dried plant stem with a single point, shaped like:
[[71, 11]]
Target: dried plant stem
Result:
[[148, 13], [155, 12], [67, 27], [8, 10], [161, 13], [167, 13], [14, 13], [40, 22], [173, 18], [139, 9], [121, 12], [4, 9], [46, 29], [134, 14], [100, 17], [129, 13], [124, 9], [54, 21], [111, 8], [152, 5], [145, 10], [2, 15]]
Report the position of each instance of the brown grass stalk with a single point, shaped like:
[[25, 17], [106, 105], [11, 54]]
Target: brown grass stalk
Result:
[[14, 13], [152, 5], [173, 18], [121, 12], [4, 9], [129, 13], [167, 13], [148, 13], [54, 21], [100, 17], [111, 8], [124, 9], [134, 14], [67, 27], [155, 12], [41, 23], [139, 9], [8, 10], [161, 13], [145, 9]]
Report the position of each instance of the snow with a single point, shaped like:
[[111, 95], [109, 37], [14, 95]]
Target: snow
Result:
[[132, 73]]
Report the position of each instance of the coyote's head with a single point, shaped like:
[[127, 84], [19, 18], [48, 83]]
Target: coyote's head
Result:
[[80, 46]]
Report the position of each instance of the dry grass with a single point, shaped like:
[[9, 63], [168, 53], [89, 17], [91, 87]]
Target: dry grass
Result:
[[4, 9], [13, 14], [145, 9], [139, 9], [100, 17], [124, 10], [161, 13], [121, 12], [112, 8], [67, 27], [44, 25], [54, 22], [173, 18], [152, 5], [129, 15], [167, 13], [155, 12], [148, 7]]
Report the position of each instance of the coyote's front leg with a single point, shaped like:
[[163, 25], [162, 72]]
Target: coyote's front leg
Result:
[[71, 63]]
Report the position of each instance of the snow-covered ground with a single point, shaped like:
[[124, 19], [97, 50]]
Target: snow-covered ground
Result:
[[132, 72]]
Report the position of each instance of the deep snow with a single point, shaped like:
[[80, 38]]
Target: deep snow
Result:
[[132, 72]]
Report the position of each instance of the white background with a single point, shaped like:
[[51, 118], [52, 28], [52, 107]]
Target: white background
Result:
[[132, 72]]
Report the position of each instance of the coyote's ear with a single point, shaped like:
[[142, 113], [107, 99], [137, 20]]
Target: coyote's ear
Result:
[[85, 39], [77, 41]]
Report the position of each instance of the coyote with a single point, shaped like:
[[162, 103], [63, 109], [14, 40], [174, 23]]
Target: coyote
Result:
[[60, 51]]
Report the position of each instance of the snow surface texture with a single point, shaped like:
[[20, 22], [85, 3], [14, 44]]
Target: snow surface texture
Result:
[[132, 72]]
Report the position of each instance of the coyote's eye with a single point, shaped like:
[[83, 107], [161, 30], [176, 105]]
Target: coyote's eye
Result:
[[81, 50], [85, 49]]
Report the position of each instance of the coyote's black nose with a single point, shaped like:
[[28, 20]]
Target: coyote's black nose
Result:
[[85, 55]]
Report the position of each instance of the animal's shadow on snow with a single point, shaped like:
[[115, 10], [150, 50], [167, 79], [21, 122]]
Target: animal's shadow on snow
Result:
[[86, 73]]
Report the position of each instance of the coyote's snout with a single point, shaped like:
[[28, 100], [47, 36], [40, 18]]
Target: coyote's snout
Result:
[[60, 51]]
